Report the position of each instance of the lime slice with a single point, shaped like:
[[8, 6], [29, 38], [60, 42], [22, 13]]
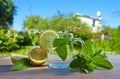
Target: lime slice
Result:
[[37, 56], [46, 38]]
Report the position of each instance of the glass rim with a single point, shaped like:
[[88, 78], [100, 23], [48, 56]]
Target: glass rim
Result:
[[65, 33]]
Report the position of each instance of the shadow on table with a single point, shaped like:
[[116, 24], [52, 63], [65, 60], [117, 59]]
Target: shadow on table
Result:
[[5, 68], [59, 71], [49, 71], [36, 71]]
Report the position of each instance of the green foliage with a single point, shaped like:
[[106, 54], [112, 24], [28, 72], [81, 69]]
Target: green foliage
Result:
[[23, 50], [30, 36], [11, 40], [90, 59], [26, 39], [84, 35], [59, 22], [21, 65], [7, 11], [8, 40], [115, 40], [35, 22], [106, 29], [102, 44], [111, 41]]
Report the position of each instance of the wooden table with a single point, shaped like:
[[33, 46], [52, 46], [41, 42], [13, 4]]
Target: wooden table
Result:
[[46, 73]]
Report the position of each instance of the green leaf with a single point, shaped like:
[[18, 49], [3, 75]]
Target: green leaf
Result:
[[87, 50], [62, 52], [21, 65], [61, 47], [102, 62], [75, 63], [82, 64], [60, 42], [100, 53]]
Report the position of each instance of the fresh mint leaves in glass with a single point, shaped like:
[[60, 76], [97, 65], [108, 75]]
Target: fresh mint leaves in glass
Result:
[[60, 51]]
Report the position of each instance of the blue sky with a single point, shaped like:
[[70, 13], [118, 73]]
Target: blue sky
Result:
[[48, 8]]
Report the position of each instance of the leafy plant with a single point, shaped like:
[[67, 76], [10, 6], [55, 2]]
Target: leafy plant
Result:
[[103, 44], [7, 11], [90, 59], [8, 40], [115, 40]]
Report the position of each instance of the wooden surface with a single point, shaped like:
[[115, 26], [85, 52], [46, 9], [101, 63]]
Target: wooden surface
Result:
[[46, 73]]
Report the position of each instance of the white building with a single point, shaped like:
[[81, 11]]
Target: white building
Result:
[[93, 22]]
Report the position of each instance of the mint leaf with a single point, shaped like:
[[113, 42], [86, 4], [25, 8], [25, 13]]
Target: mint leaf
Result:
[[99, 52], [75, 63], [21, 65], [87, 50], [62, 52], [61, 47], [88, 68], [102, 62], [80, 62], [60, 42]]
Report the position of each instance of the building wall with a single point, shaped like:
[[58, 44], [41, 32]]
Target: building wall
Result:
[[93, 22]]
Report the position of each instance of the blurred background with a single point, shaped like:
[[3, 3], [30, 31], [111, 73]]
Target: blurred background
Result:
[[22, 21]]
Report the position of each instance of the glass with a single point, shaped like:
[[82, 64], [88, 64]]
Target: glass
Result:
[[55, 61]]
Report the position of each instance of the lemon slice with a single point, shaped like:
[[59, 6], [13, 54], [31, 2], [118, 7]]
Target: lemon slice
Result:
[[47, 37], [16, 57], [37, 56]]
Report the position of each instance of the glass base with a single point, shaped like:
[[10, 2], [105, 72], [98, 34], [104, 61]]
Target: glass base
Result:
[[58, 64]]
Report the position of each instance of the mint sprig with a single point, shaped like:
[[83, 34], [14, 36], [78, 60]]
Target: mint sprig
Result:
[[21, 65], [61, 47], [90, 59]]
